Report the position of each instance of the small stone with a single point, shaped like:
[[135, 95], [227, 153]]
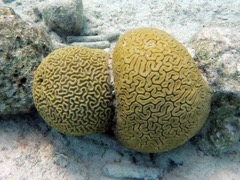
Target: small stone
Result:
[[94, 45], [64, 17], [108, 37], [72, 39]]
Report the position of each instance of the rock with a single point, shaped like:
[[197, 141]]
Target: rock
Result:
[[217, 54], [96, 42], [108, 37], [22, 46], [94, 45], [64, 17], [223, 129]]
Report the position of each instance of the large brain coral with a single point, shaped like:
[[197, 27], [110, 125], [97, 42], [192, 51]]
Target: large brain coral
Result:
[[162, 99], [71, 90]]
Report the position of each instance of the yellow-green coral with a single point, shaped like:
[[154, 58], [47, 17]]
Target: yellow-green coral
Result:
[[162, 99], [71, 90]]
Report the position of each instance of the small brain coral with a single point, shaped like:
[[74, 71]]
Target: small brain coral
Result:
[[71, 90], [162, 99]]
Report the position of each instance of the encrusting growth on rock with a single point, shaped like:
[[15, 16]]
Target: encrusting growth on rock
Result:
[[22, 47]]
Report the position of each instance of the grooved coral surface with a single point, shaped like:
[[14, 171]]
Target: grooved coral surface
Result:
[[162, 99], [72, 92]]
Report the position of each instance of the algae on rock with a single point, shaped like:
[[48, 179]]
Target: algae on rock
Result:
[[22, 47], [223, 129], [217, 55], [64, 17]]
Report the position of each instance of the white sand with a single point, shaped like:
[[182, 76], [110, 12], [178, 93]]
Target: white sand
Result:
[[30, 150]]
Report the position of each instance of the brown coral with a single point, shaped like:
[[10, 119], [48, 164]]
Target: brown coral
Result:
[[162, 99], [71, 90]]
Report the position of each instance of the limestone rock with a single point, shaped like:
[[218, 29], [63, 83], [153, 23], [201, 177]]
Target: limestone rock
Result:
[[223, 129], [64, 17], [217, 54], [22, 47]]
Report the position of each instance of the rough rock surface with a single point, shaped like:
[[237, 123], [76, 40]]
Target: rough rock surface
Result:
[[64, 17], [22, 47], [222, 132], [217, 52]]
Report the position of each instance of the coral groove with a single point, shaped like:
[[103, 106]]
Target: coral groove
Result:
[[162, 99], [72, 92]]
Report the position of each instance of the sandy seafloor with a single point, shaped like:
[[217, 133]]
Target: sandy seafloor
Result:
[[31, 150]]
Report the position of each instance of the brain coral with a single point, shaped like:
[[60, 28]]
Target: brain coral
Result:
[[71, 90], [162, 99]]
